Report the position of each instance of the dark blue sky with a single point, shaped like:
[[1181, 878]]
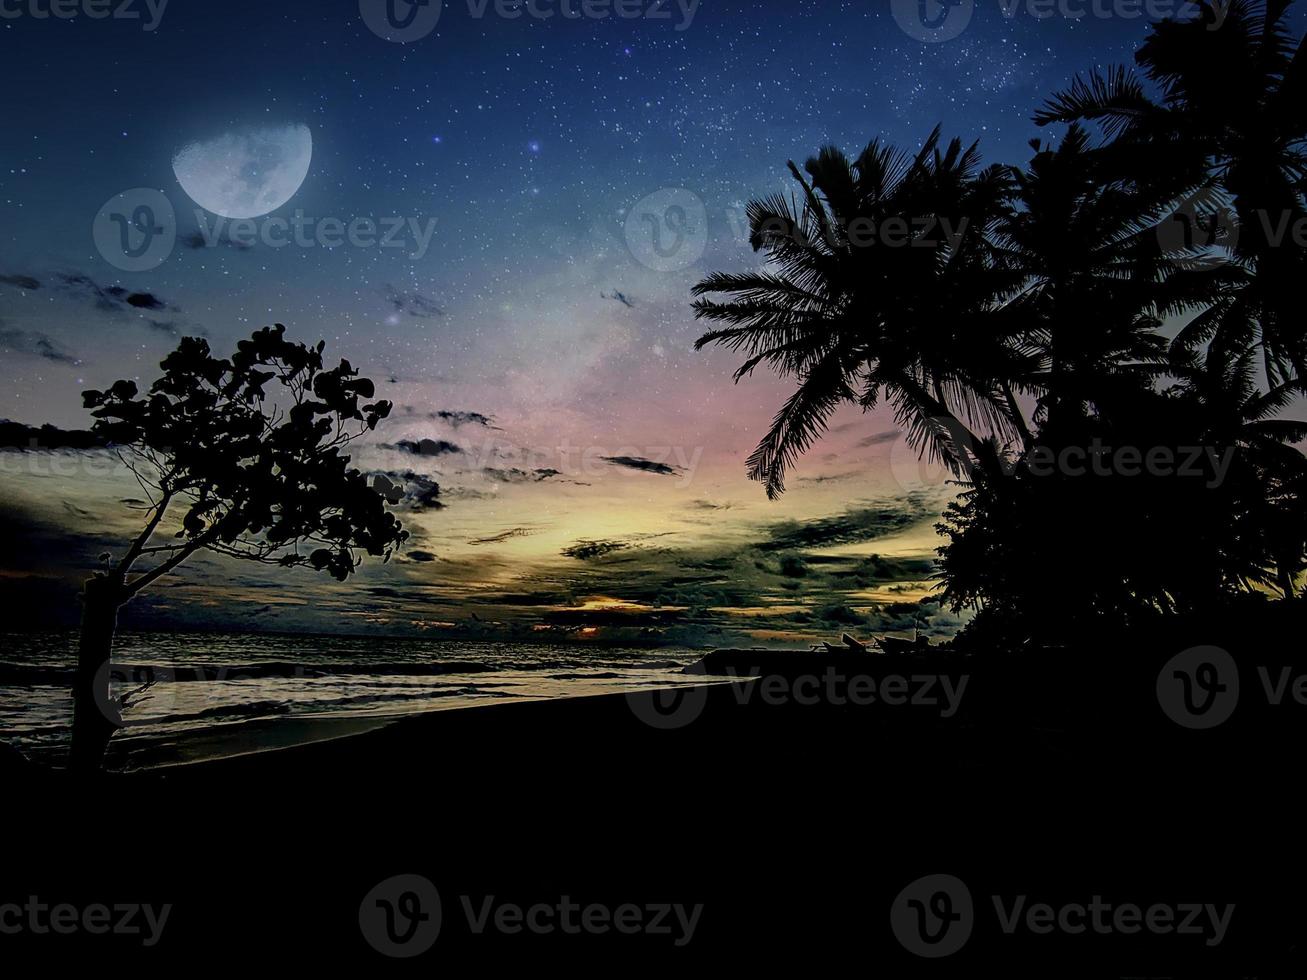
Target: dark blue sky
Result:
[[529, 143], [526, 140]]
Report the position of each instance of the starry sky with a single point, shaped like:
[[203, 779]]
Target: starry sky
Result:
[[590, 464]]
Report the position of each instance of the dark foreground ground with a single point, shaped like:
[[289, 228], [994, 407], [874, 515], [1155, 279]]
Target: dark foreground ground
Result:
[[796, 822]]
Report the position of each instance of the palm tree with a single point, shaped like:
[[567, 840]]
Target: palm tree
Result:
[[1229, 120], [1091, 281], [877, 284], [1232, 411]]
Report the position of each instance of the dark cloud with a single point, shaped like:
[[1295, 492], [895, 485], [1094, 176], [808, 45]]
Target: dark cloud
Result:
[[413, 303], [851, 527], [516, 475], [619, 297], [15, 435], [645, 465], [21, 282], [458, 419], [408, 490], [111, 299], [35, 344], [878, 439], [828, 478], [422, 557], [514, 532], [586, 550], [613, 617], [425, 447], [709, 505]]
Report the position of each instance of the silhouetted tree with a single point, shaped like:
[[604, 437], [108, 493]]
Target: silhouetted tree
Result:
[[878, 285], [234, 469], [1228, 124], [1058, 292]]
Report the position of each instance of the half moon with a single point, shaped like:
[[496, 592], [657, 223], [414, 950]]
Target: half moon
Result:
[[246, 173]]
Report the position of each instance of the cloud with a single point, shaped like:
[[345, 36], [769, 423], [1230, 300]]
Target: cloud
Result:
[[515, 532], [878, 439], [709, 505], [424, 447], [15, 435], [586, 550], [619, 297], [421, 557], [851, 527], [828, 477], [413, 304], [408, 490], [35, 344], [645, 465], [21, 282], [458, 419], [111, 299], [515, 475]]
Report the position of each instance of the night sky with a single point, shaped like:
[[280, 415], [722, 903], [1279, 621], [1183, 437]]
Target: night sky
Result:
[[590, 463]]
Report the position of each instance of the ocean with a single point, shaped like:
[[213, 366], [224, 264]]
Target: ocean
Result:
[[200, 695]]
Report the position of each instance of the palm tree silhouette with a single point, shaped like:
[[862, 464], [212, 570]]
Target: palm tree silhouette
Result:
[[1229, 122], [879, 281], [1057, 292]]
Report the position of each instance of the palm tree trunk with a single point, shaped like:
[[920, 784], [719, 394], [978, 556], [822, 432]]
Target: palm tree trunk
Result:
[[95, 713]]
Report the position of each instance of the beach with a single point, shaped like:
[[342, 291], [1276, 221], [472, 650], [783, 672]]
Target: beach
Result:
[[791, 820]]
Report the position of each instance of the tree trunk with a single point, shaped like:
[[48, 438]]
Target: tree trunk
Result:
[[96, 714]]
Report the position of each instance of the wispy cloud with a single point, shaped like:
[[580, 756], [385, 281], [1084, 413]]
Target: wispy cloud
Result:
[[20, 281], [459, 419], [412, 303], [35, 344], [646, 465]]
